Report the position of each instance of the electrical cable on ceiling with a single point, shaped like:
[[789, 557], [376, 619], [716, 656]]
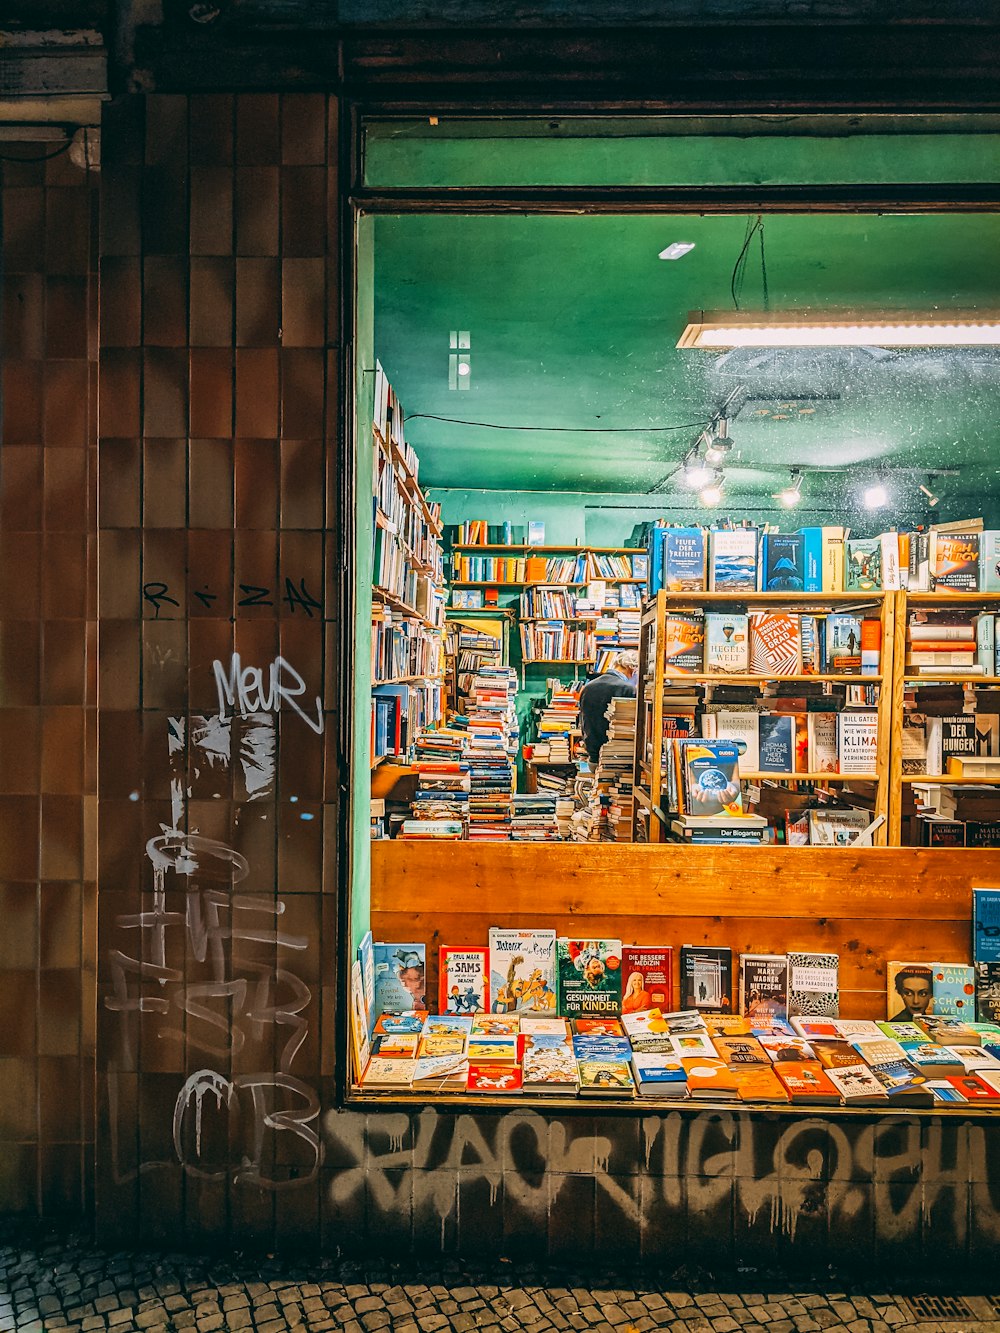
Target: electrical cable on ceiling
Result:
[[572, 430], [40, 157]]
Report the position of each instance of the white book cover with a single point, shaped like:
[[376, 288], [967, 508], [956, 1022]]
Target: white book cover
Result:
[[523, 971], [743, 728], [733, 560], [989, 560], [890, 561], [821, 730], [857, 741]]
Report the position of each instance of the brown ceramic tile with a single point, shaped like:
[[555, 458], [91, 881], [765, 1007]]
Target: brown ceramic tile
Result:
[[257, 128], [62, 750], [17, 1013], [63, 1182], [166, 127], [303, 129], [165, 209], [211, 129], [20, 745], [301, 752], [19, 817], [66, 317], [20, 574], [213, 283], [212, 373], [59, 997], [60, 926], [121, 192], [119, 754], [21, 490], [22, 399], [301, 562], [122, 128], [19, 936], [302, 392], [165, 386], [164, 665], [303, 211], [120, 490], [61, 840], [121, 301], [333, 431], [256, 575], [256, 839], [257, 482], [164, 483], [211, 482], [208, 641], [64, 575], [257, 642], [300, 842], [119, 571], [118, 664], [58, 1096], [164, 560], [210, 571], [64, 662], [301, 483], [211, 211], [66, 490], [19, 1121], [66, 423], [120, 380], [257, 392], [302, 302], [24, 230], [164, 301], [67, 231], [256, 205], [24, 316], [258, 302]]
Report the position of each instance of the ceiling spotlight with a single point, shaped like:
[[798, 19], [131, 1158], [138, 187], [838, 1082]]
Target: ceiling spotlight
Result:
[[792, 493], [720, 444], [697, 473], [932, 499], [711, 494], [676, 250], [876, 496]]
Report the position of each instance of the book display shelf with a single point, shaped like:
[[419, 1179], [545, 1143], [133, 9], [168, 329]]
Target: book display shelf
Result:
[[772, 667], [407, 651]]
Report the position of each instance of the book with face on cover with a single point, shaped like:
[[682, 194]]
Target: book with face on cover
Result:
[[589, 977], [647, 977], [400, 975]]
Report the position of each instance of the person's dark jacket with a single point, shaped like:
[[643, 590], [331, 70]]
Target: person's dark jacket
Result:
[[594, 699]]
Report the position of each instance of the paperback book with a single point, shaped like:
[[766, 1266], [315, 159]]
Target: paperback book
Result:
[[400, 971], [813, 984], [683, 559], [463, 980], [647, 978], [763, 987], [782, 562], [706, 979], [522, 970], [727, 644], [683, 644], [775, 643], [733, 560], [589, 976]]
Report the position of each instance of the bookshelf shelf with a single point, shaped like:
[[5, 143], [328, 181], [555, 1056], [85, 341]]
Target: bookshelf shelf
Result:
[[943, 780], [951, 680], [401, 680], [841, 599], [809, 777], [570, 661], [715, 678], [548, 550], [500, 583], [382, 597], [378, 759], [946, 599]]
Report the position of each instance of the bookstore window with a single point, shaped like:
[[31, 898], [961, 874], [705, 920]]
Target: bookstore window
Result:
[[683, 530]]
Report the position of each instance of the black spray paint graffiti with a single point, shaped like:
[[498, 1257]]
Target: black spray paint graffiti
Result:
[[208, 971]]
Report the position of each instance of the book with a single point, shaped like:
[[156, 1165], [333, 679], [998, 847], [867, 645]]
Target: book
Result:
[[706, 978], [733, 560], [360, 1044], [775, 643], [522, 970], [691, 1044], [986, 925], [784, 1046], [396, 1045], [606, 1078], [496, 1078], [954, 987], [743, 730], [863, 564], [709, 1079], [758, 1083], [843, 643], [506, 1025], [973, 1088], [648, 1031], [727, 644], [387, 1073], [683, 643], [400, 976], [537, 1025], [740, 1051], [590, 1026], [989, 561], [549, 1065], [782, 562], [891, 579], [932, 1060], [776, 742], [832, 827], [987, 981], [483, 1048], [763, 986], [835, 1054], [910, 990], [588, 977], [857, 1085], [822, 755], [871, 646], [823, 559], [914, 743], [366, 957], [813, 984], [956, 561], [857, 741], [536, 532], [711, 783], [463, 980], [807, 1083], [659, 1075], [684, 559], [647, 977]]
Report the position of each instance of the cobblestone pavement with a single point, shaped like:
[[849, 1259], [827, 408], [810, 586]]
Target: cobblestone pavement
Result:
[[67, 1283]]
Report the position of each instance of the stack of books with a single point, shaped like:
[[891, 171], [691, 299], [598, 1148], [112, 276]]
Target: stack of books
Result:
[[614, 772], [949, 643], [492, 743], [442, 790], [534, 818]]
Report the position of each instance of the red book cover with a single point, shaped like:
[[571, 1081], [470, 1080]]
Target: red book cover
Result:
[[973, 1088], [806, 1082], [647, 977], [775, 643], [600, 1027], [498, 1078], [463, 980]]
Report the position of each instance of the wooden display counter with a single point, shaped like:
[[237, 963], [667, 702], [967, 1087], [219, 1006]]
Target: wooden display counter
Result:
[[868, 906]]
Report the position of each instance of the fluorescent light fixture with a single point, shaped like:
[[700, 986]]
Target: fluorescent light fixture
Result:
[[876, 496], [714, 331], [792, 493], [676, 250]]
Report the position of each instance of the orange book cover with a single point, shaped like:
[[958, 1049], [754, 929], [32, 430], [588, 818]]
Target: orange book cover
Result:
[[708, 1077], [775, 643], [757, 1083], [807, 1082], [535, 569]]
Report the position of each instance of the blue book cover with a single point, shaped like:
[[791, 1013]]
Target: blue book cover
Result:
[[400, 977], [712, 778], [683, 560], [986, 925], [954, 988], [782, 562], [654, 561], [812, 559], [601, 1048], [776, 733], [366, 957]]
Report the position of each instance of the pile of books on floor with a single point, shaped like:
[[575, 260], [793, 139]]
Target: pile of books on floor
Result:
[[442, 790], [613, 774], [492, 743], [557, 725], [534, 818]]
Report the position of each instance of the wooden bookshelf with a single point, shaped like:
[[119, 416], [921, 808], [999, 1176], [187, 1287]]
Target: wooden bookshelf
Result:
[[649, 781]]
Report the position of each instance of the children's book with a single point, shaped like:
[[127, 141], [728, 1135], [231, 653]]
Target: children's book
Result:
[[505, 1025], [366, 957], [463, 980], [647, 977], [589, 977], [549, 1066], [494, 1050], [400, 977], [606, 1078], [522, 971], [499, 1078], [727, 644], [813, 984], [763, 986], [396, 1045], [387, 1073]]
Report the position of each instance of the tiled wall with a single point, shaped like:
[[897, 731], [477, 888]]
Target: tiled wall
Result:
[[218, 838], [47, 684]]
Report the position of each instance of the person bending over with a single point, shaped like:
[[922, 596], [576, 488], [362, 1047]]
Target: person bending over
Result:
[[618, 682]]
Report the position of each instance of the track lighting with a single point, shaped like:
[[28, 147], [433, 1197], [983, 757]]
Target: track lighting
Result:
[[932, 499], [711, 493], [697, 473], [792, 493], [720, 444]]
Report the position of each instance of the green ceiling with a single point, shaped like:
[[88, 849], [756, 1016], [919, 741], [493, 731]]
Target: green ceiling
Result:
[[573, 323]]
